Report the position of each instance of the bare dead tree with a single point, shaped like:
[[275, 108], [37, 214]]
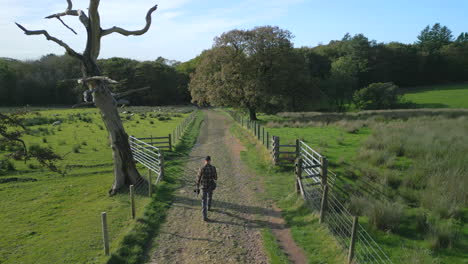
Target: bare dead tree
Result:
[[124, 167]]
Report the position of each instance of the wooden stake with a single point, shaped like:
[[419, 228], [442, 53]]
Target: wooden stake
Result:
[[162, 166], [353, 240], [132, 200], [323, 206], [268, 140], [324, 171], [298, 149], [170, 142], [150, 186], [263, 136], [105, 233]]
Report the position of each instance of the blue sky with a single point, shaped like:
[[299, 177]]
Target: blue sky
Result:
[[181, 29]]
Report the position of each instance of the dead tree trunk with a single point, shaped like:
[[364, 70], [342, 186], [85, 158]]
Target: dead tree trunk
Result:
[[124, 167]]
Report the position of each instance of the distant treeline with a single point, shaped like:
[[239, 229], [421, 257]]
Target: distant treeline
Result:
[[331, 73], [49, 81], [244, 60]]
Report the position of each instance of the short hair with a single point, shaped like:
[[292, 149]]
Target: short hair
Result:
[[208, 158]]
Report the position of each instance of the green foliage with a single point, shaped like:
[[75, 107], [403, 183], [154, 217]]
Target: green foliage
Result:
[[377, 96], [383, 215], [443, 233], [433, 38], [256, 70], [44, 81]]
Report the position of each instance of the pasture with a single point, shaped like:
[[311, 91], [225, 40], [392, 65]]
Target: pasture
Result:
[[416, 162], [438, 96], [50, 218]]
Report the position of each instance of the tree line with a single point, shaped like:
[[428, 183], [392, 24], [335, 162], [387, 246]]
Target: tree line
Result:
[[257, 70], [260, 70], [51, 80]]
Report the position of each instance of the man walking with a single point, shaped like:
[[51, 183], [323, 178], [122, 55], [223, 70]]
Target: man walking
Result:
[[207, 178]]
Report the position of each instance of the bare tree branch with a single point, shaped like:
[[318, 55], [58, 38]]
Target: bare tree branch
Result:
[[126, 93], [69, 12], [72, 30], [69, 50], [83, 104], [96, 78], [116, 96], [135, 32]]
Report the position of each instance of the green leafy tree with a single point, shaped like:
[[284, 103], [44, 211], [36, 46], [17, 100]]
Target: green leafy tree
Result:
[[339, 87], [377, 96], [249, 69], [433, 38], [463, 37]]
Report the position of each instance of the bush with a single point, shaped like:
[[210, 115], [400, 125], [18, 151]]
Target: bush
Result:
[[384, 215], [76, 148], [377, 96], [6, 165], [421, 256], [442, 233], [357, 205]]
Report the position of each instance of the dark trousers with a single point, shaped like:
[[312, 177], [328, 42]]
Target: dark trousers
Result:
[[206, 202]]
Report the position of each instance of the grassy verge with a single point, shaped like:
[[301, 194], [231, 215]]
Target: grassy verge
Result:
[[135, 246], [315, 239], [49, 218], [414, 163]]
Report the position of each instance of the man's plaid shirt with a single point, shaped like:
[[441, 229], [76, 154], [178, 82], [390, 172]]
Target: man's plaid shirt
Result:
[[207, 176]]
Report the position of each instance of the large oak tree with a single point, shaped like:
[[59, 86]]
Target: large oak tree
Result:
[[256, 70]]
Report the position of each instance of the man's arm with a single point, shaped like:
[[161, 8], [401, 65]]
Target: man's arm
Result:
[[215, 176]]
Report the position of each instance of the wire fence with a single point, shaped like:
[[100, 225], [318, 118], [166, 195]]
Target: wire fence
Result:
[[147, 156], [333, 210], [323, 191]]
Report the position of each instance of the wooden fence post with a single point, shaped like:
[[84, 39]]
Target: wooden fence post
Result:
[[170, 142], [105, 233], [162, 166], [353, 240], [258, 131], [275, 149], [268, 140], [324, 171], [299, 187], [132, 200], [150, 191], [324, 204], [298, 149], [263, 136]]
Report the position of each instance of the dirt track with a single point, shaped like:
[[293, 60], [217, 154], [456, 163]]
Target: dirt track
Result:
[[237, 216]]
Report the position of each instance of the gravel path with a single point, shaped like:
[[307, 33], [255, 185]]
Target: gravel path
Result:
[[237, 216]]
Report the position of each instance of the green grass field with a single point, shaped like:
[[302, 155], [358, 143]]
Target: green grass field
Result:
[[50, 218], [416, 161], [438, 96]]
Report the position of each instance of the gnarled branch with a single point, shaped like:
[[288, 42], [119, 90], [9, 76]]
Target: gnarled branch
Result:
[[69, 50], [116, 96], [72, 30], [69, 12], [129, 32], [96, 78]]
